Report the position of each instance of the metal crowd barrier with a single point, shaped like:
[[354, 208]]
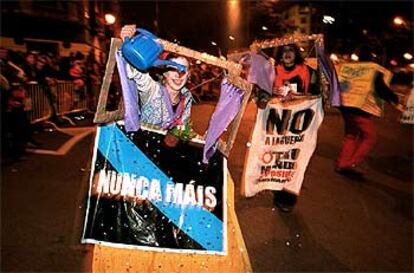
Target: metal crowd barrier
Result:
[[37, 104], [65, 97], [70, 99]]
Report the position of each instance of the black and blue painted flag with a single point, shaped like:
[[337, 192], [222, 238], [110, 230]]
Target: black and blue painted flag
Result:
[[146, 195]]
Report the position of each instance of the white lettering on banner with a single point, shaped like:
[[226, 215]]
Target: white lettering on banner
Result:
[[408, 115], [283, 140], [174, 191], [211, 200], [141, 187], [155, 190], [189, 195]]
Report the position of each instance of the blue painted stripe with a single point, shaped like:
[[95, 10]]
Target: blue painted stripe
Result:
[[198, 223]]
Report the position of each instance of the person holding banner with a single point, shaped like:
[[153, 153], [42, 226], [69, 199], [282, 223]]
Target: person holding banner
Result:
[[293, 76], [166, 103], [363, 92], [285, 133]]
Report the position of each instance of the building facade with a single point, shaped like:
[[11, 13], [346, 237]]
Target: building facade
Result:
[[60, 27]]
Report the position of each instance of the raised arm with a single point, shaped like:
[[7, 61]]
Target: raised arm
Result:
[[145, 84]]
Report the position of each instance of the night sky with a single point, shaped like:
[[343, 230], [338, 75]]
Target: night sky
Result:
[[193, 23], [196, 23]]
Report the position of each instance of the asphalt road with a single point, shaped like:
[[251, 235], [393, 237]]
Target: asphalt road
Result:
[[338, 225]]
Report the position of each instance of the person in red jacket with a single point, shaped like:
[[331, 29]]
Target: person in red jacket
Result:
[[293, 77]]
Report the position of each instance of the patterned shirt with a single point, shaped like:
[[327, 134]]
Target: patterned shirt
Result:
[[154, 108]]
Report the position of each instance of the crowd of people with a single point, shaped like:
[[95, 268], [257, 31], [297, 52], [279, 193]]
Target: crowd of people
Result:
[[19, 70]]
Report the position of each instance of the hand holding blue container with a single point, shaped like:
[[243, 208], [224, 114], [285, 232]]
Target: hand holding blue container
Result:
[[142, 51]]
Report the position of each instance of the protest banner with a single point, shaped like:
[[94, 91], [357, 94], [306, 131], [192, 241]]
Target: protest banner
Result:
[[283, 141], [145, 195], [407, 116], [356, 80]]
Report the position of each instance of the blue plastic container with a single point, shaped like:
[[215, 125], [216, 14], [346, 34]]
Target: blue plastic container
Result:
[[142, 51]]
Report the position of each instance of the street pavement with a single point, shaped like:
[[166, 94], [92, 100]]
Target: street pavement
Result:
[[338, 224]]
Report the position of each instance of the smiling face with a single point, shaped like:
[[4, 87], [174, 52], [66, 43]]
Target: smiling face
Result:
[[288, 55], [174, 80]]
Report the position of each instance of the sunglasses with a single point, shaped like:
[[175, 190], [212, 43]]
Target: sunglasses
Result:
[[174, 69]]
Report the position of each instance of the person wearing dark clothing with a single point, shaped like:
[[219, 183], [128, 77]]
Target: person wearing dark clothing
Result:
[[17, 126], [29, 66]]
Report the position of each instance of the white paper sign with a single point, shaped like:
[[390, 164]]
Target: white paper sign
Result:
[[407, 116], [283, 141]]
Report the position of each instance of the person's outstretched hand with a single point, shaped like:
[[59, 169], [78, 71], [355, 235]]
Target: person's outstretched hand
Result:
[[128, 31]]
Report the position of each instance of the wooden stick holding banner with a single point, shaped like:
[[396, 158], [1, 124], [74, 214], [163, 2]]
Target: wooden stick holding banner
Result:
[[291, 39], [232, 67], [102, 115]]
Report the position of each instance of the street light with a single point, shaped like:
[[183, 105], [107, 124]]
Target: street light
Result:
[[354, 57], [327, 19], [110, 19], [213, 43], [398, 21], [333, 57], [264, 28], [407, 56], [232, 38]]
